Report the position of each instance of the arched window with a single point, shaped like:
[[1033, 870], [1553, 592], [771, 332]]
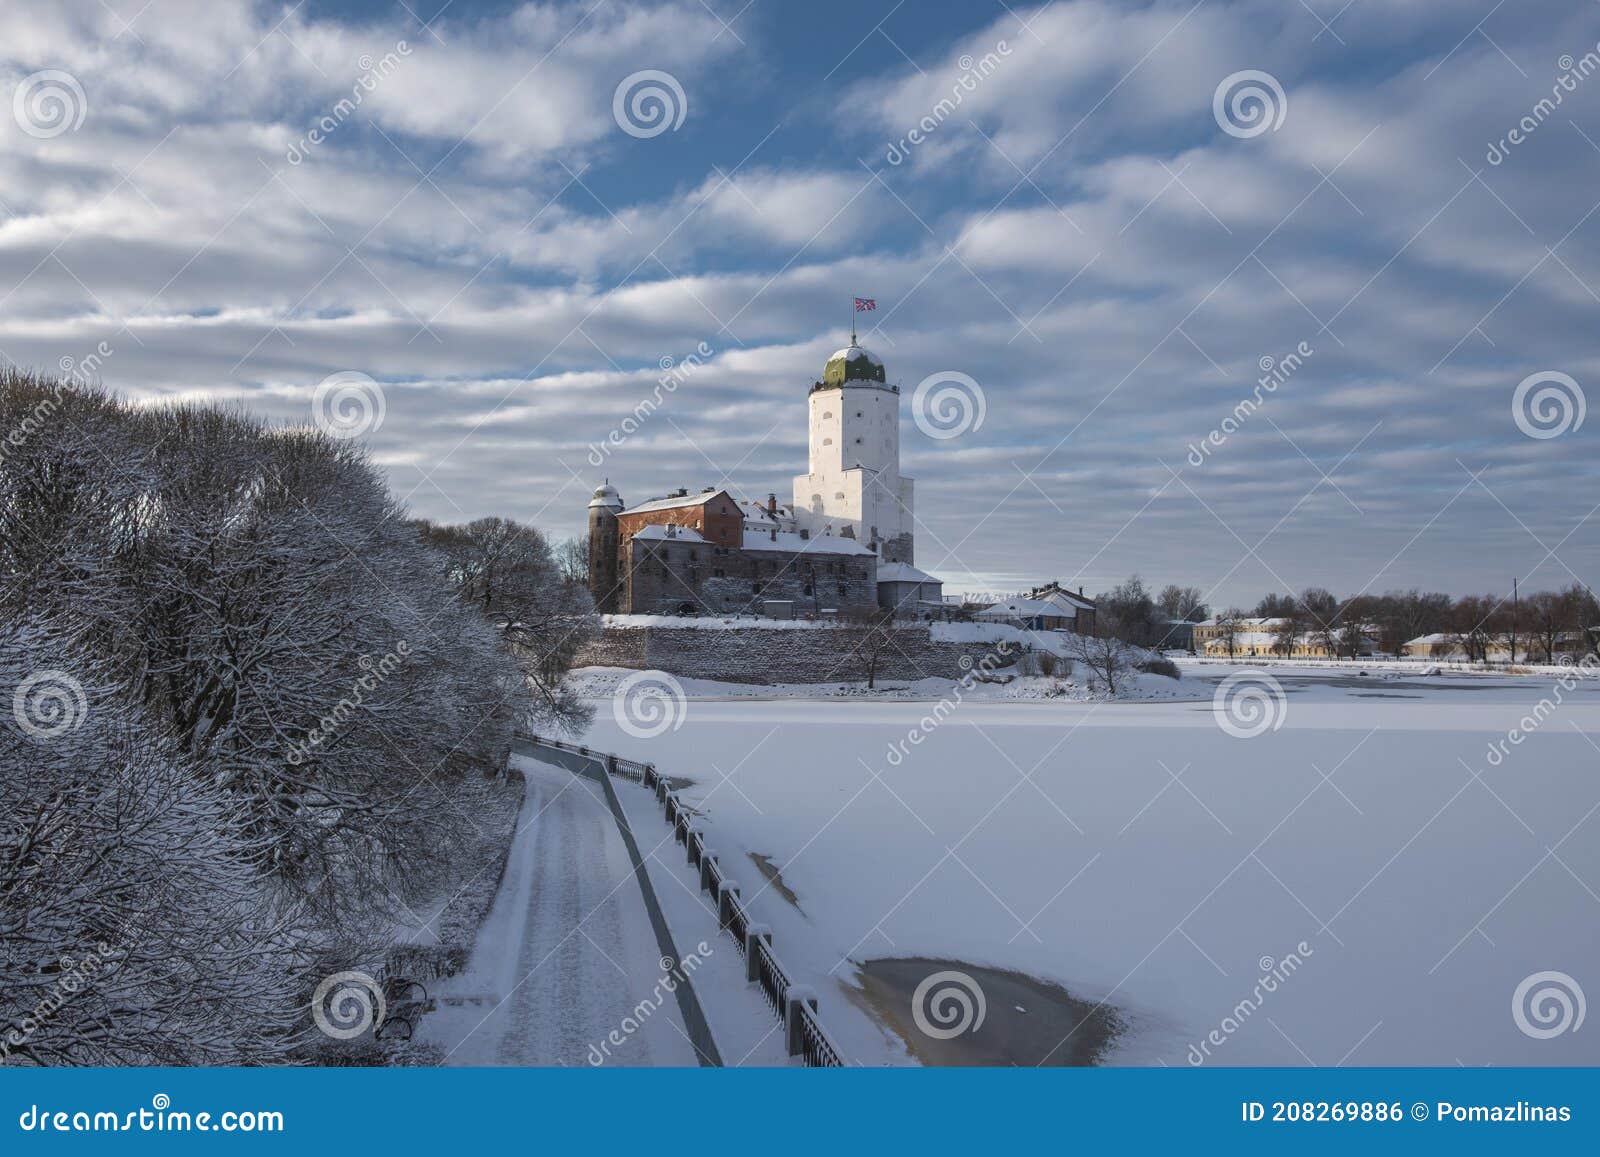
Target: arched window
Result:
[[827, 441]]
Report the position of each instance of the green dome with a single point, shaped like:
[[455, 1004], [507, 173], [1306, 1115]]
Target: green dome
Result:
[[853, 364]]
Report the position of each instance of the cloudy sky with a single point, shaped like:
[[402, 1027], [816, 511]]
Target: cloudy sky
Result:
[[462, 201]]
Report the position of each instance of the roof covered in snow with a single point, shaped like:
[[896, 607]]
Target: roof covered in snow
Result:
[[903, 572], [672, 503], [678, 534], [787, 541], [853, 364], [850, 353], [757, 512], [1024, 609]]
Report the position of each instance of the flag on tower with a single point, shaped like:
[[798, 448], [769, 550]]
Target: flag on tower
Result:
[[866, 304]]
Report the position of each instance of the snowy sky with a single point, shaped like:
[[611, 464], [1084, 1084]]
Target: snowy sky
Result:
[[1081, 236]]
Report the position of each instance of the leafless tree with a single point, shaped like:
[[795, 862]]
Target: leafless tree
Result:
[[508, 572], [1109, 658], [1229, 625], [864, 638]]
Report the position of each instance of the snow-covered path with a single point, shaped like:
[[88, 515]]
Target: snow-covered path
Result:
[[566, 953]]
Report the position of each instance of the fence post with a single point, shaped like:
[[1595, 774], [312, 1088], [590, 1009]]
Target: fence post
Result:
[[798, 998], [727, 897], [708, 860], [754, 936]]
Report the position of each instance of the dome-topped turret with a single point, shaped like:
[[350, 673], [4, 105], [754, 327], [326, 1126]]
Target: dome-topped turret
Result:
[[853, 364], [606, 495]]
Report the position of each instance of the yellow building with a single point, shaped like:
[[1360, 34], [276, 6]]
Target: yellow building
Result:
[[1252, 642]]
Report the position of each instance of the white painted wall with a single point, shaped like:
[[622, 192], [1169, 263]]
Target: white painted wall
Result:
[[854, 478]]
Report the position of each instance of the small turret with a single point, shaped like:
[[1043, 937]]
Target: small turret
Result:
[[604, 586]]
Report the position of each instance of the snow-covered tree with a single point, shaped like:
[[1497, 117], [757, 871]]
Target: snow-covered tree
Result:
[[138, 924]]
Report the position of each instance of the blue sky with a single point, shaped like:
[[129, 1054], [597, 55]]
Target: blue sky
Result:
[[1081, 236]]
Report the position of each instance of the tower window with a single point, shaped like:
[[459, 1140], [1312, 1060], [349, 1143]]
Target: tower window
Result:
[[827, 441]]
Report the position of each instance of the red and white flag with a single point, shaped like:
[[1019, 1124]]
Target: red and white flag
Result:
[[865, 304]]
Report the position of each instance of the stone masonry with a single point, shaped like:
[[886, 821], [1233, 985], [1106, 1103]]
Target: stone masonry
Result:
[[814, 654]]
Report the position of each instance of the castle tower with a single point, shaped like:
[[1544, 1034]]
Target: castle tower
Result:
[[854, 484], [604, 579]]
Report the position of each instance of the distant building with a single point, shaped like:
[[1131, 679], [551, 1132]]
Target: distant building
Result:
[[845, 546], [1047, 608], [1257, 644], [909, 592], [1209, 630], [1435, 646], [1176, 635], [1029, 614]]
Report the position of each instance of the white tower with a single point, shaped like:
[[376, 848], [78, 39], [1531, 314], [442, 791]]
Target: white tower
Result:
[[854, 486]]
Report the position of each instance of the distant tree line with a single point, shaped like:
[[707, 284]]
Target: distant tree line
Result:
[[245, 710], [1538, 625], [1131, 612]]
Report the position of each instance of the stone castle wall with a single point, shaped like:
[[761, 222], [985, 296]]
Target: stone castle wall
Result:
[[668, 576], [796, 655]]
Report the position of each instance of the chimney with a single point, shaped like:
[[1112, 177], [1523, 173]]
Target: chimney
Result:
[[772, 505], [774, 533], [672, 530]]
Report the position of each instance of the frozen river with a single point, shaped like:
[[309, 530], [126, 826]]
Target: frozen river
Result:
[[1366, 881]]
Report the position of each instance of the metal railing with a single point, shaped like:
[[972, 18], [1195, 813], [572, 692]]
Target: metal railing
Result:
[[794, 1004]]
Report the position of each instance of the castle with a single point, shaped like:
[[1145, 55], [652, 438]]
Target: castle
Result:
[[844, 546]]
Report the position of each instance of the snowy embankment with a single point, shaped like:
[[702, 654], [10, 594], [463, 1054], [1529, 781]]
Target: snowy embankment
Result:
[[1072, 685], [1398, 666], [1138, 854]]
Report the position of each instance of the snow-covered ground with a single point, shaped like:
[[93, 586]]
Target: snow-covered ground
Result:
[[1073, 683], [1139, 854], [566, 954], [566, 951]]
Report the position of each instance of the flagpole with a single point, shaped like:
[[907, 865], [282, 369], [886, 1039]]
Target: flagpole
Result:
[[852, 321]]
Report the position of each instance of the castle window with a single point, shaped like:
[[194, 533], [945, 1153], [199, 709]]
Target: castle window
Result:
[[858, 413], [827, 413], [858, 441], [827, 441], [839, 495]]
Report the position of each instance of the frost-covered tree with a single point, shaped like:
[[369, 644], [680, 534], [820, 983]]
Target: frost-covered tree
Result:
[[138, 922], [300, 672], [508, 572]]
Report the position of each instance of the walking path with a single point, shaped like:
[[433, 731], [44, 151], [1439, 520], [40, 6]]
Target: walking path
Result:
[[566, 956]]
